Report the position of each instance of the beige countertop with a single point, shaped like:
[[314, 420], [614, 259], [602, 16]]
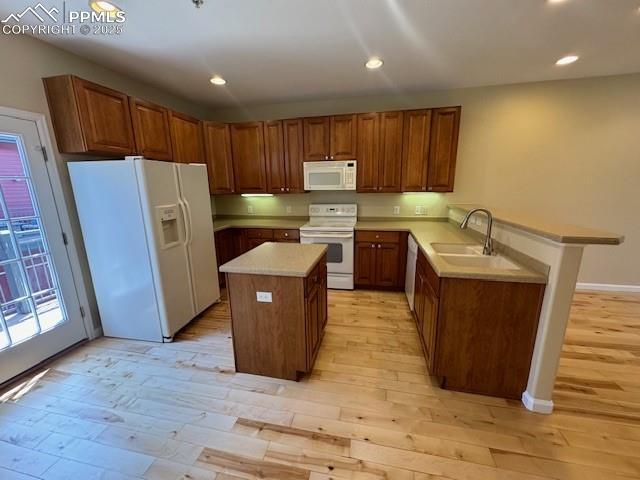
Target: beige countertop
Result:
[[278, 259], [558, 232], [424, 231], [220, 223]]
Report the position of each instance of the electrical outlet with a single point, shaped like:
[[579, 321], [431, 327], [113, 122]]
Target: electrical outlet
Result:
[[264, 297], [288, 209], [396, 210], [249, 209], [421, 210]]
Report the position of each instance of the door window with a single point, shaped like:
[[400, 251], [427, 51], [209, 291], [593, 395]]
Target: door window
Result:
[[334, 252], [30, 302], [325, 178]]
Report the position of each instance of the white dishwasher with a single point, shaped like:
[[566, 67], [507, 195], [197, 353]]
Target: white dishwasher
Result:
[[410, 279]]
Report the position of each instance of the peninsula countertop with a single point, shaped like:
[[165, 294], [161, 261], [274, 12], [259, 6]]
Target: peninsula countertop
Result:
[[277, 259]]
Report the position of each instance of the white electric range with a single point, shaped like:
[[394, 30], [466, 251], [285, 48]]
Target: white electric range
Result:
[[333, 225]]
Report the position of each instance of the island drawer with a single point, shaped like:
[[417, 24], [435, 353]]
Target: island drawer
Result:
[[263, 233], [286, 235], [379, 237]]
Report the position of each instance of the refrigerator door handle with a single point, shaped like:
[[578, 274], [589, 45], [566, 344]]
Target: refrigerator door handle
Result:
[[190, 220], [185, 222]]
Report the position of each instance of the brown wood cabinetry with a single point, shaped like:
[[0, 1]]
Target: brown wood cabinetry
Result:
[[249, 168], [401, 151], [477, 335], [445, 124], [368, 152], [151, 129], [89, 118], [283, 151], [280, 338], [286, 235], [379, 152], [217, 138], [186, 139], [294, 154], [225, 249], [317, 138], [343, 137], [415, 150], [380, 259]]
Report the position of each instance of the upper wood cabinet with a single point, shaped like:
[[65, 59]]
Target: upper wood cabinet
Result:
[[284, 153], [415, 150], [317, 138], [294, 154], [274, 154], [249, 169], [368, 152], [390, 157], [217, 138], [151, 129], [186, 139], [89, 118], [445, 124], [343, 137], [379, 152]]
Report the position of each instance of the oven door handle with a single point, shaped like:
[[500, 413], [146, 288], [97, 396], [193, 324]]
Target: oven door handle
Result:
[[332, 235]]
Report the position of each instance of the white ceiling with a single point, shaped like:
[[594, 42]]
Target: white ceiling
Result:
[[282, 50]]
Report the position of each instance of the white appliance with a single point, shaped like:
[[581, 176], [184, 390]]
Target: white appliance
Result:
[[148, 232], [333, 225], [410, 279], [330, 175]]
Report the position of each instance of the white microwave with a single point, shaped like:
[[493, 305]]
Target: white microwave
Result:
[[330, 175]]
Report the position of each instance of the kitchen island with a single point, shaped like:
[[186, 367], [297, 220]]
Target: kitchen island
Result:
[[278, 299]]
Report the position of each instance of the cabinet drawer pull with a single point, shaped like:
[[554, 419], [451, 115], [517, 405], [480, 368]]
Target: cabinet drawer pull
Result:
[[379, 245]]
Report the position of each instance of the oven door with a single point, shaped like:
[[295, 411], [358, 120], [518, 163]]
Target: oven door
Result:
[[339, 252], [321, 177]]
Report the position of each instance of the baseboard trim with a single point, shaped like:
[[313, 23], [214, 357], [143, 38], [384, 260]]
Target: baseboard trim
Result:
[[537, 405], [608, 287]]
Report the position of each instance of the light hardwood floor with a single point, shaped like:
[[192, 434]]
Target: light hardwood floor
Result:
[[117, 409]]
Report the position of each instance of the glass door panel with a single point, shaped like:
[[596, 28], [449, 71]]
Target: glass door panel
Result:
[[29, 300]]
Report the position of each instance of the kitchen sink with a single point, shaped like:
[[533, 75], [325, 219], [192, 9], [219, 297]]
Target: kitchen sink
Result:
[[457, 249], [480, 261]]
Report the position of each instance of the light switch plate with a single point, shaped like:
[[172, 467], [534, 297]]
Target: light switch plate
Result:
[[249, 208], [396, 210], [264, 297], [421, 210], [288, 208]]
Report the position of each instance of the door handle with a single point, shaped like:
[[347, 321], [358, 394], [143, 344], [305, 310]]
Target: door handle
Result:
[[190, 218], [185, 221]]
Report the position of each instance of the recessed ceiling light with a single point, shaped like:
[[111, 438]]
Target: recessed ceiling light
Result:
[[218, 80], [567, 60], [373, 63], [101, 6]]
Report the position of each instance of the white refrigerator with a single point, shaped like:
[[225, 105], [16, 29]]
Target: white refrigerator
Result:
[[148, 232]]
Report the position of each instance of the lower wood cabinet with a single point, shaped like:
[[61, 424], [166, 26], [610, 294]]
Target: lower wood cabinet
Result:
[[280, 338], [477, 335], [233, 242], [380, 259]]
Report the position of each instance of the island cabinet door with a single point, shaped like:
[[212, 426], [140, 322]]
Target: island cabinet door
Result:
[[313, 325], [323, 305]]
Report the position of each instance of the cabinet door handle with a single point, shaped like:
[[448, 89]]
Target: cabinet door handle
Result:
[[378, 245], [326, 157], [377, 236], [373, 245], [282, 189], [287, 189], [286, 234], [331, 157]]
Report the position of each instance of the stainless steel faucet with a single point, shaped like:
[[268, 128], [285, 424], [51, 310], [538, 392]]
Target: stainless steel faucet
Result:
[[488, 243]]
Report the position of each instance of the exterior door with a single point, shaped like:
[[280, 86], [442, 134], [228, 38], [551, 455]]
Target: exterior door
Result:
[[39, 308]]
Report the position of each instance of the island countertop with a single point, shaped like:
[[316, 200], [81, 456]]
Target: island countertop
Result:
[[277, 259]]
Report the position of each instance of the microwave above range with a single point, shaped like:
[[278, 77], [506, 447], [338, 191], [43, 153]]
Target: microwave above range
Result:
[[330, 175]]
